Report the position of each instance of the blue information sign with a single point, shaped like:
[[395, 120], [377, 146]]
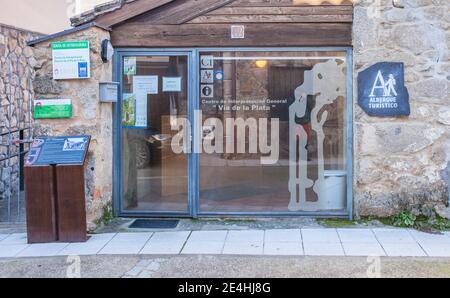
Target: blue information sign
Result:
[[382, 91]]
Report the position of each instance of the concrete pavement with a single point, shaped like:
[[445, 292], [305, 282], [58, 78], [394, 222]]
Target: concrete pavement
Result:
[[208, 266]]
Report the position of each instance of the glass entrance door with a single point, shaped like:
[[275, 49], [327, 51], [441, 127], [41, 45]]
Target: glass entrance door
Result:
[[154, 97]]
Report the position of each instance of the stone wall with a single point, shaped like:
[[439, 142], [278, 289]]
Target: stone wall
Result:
[[401, 162], [90, 117], [16, 72]]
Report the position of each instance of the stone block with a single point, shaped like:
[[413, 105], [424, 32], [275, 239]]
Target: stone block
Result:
[[45, 85], [365, 30], [367, 171], [433, 90], [422, 112], [28, 52], [444, 115], [414, 38], [373, 56], [382, 139], [12, 44], [384, 200], [443, 212], [398, 15], [422, 3]]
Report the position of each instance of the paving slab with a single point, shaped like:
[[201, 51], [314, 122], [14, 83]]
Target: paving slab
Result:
[[208, 236], [437, 250], [447, 234], [126, 243], [15, 239], [254, 236], [393, 236], [320, 235], [42, 250], [163, 243], [286, 235], [363, 249], [430, 239], [11, 250], [205, 242], [283, 249], [244, 243], [323, 249], [243, 248], [92, 247], [403, 249], [203, 247], [357, 236]]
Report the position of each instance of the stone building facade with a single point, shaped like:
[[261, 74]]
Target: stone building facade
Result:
[[16, 93], [398, 162], [405, 161]]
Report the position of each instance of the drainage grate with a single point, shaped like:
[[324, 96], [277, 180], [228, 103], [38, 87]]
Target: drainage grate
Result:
[[154, 224]]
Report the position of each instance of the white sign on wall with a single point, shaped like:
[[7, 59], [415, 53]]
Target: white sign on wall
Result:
[[237, 32], [71, 60], [207, 76], [207, 91], [207, 62]]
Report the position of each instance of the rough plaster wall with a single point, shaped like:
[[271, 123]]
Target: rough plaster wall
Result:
[[399, 162], [16, 71], [90, 116]]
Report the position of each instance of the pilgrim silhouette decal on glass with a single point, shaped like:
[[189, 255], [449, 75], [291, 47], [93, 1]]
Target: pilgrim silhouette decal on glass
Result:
[[325, 83]]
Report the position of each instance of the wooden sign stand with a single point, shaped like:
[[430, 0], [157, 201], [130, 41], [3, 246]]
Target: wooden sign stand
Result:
[[40, 196], [55, 203], [55, 200]]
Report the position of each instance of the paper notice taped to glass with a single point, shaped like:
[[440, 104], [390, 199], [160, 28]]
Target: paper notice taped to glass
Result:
[[142, 87]]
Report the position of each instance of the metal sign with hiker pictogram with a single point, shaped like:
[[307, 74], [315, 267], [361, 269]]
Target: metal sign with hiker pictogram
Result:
[[382, 91]]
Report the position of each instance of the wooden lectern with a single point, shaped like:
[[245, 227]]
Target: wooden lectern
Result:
[[55, 190]]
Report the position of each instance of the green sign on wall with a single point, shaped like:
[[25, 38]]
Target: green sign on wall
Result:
[[52, 109]]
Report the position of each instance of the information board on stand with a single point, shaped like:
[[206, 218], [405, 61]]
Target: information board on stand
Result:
[[66, 150]]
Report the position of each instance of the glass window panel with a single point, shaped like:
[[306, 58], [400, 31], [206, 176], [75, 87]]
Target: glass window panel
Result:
[[274, 127]]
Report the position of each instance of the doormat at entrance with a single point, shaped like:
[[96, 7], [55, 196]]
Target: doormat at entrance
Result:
[[154, 224]]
